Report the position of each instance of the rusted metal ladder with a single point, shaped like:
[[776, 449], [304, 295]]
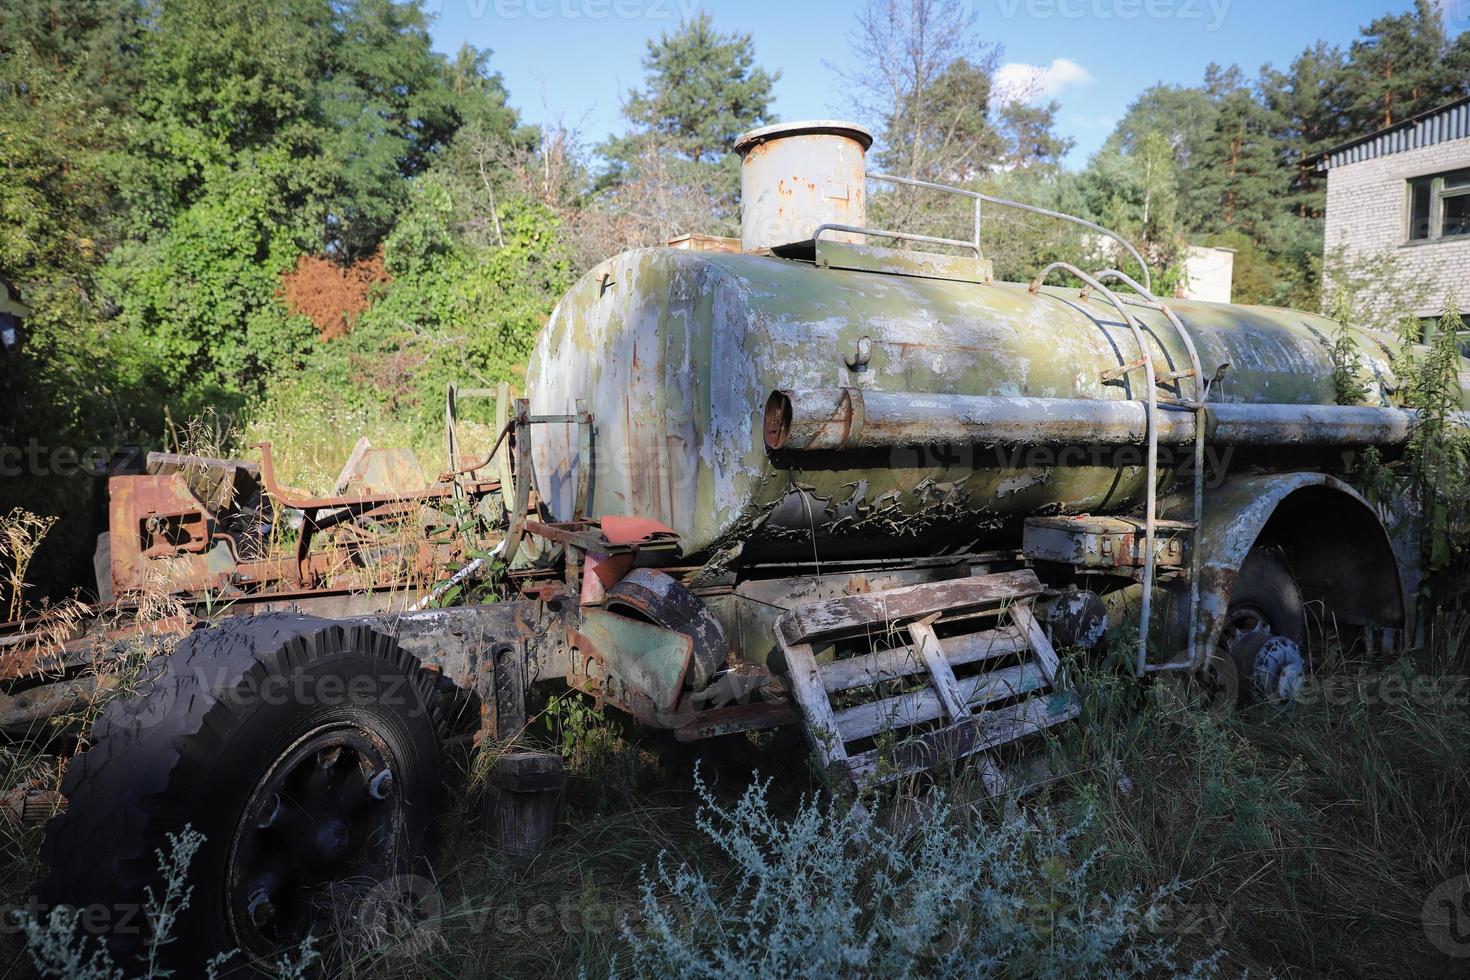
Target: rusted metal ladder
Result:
[[1142, 297], [873, 717], [1145, 362], [1152, 381]]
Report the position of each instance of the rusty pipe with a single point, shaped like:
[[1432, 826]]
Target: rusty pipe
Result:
[[817, 419]]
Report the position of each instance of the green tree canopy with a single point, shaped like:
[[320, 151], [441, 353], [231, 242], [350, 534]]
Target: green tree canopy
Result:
[[703, 89]]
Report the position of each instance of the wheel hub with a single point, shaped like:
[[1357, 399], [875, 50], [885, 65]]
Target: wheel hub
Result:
[[1272, 666], [323, 815], [1279, 671]]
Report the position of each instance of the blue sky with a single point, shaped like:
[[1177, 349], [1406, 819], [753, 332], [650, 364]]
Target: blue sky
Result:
[[571, 59]]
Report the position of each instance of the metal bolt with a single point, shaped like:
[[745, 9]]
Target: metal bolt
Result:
[[270, 814], [381, 785], [260, 908]]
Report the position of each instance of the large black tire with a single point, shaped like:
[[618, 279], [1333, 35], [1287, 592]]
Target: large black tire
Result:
[[1266, 602], [1266, 593], [214, 726]]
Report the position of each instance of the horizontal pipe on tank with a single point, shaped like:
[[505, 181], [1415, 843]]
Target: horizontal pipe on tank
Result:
[[808, 419]]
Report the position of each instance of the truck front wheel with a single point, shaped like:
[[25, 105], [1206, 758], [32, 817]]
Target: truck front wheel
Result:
[[306, 753]]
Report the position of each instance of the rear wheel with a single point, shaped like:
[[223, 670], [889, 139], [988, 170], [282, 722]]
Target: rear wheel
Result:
[[1258, 655], [306, 753], [1265, 600]]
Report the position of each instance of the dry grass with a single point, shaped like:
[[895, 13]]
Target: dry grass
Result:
[[21, 533], [1307, 843]]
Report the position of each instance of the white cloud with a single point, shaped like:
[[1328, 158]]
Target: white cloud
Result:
[[1017, 81]]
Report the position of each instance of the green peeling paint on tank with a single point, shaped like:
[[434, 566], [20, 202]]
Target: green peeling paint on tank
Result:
[[676, 351]]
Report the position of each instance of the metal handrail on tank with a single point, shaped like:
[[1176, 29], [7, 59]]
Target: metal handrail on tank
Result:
[[1150, 515], [901, 235], [978, 198], [1145, 298]]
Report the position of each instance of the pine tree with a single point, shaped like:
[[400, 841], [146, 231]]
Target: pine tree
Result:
[[1307, 114], [703, 90], [1030, 132], [1241, 159], [1402, 65], [93, 43]]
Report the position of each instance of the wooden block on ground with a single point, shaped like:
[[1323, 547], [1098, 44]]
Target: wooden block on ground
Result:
[[523, 800]]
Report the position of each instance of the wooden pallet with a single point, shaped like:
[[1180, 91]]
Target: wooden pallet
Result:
[[1007, 692]]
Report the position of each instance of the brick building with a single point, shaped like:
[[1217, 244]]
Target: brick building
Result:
[[1398, 211]]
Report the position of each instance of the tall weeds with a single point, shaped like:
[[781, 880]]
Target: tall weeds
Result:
[[1305, 843], [20, 535], [826, 891]]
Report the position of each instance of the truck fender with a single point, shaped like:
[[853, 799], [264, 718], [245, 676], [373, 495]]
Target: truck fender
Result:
[[1335, 540]]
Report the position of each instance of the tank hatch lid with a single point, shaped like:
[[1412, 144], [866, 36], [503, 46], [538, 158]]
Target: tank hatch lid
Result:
[[832, 127], [901, 262], [695, 242]]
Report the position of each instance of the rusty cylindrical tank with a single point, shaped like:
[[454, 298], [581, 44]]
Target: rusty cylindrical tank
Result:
[[678, 352]]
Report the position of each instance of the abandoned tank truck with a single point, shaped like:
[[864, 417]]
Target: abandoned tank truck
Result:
[[828, 475]]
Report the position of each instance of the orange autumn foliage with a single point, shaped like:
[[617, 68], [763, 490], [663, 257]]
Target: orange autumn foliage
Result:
[[331, 295]]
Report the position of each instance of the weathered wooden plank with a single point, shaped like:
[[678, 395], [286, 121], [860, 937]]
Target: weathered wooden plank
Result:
[[857, 614], [917, 707], [966, 648], [995, 779], [29, 806], [988, 731], [940, 675], [811, 696], [1023, 616]]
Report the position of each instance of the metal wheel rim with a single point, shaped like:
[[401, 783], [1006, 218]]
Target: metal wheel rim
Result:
[[320, 822], [1240, 621]]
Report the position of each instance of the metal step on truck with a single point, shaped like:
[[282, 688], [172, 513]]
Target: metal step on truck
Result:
[[827, 475]]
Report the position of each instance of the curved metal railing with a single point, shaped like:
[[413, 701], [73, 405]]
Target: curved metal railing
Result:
[[980, 199]]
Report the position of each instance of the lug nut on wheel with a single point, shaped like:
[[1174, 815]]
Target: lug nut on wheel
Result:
[[260, 908], [381, 786]]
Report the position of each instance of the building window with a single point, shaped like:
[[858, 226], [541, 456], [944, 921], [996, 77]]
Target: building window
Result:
[[1439, 206], [1429, 328]]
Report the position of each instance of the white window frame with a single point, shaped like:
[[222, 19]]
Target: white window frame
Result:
[[1437, 195]]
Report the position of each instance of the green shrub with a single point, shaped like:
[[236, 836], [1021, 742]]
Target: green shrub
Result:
[[829, 892]]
